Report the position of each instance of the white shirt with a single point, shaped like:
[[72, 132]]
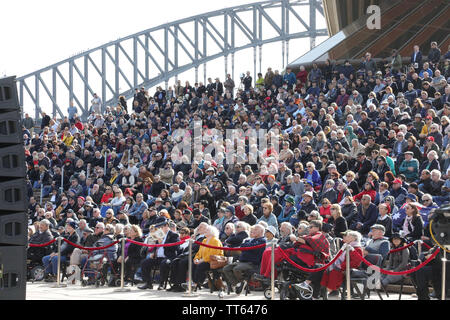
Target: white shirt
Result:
[[160, 250]]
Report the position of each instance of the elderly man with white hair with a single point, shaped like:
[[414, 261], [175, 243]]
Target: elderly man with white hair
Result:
[[248, 260], [445, 197]]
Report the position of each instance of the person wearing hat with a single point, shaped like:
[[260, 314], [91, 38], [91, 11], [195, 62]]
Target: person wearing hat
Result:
[[410, 167], [398, 260], [398, 192], [378, 244], [288, 210], [198, 218], [159, 256], [51, 261], [270, 235]]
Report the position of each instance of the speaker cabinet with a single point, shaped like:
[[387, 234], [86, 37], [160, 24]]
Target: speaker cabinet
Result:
[[13, 229], [8, 94], [13, 269]]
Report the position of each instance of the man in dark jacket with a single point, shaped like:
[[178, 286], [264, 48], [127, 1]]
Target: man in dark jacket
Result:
[[248, 260], [366, 217], [51, 261], [159, 256], [43, 235]]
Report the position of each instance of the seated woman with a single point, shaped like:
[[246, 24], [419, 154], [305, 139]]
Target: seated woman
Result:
[[202, 258], [398, 261], [333, 277], [133, 255], [412, 227], [369, 188]]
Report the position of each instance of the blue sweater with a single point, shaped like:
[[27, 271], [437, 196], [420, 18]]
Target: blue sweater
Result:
[[253, 256]]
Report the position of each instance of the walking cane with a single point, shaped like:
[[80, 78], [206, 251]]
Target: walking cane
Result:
[[272, 272], [347, 270], [58, 273], [190, 293], [122, 269]]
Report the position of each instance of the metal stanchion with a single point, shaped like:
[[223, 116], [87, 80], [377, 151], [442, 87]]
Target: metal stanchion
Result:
[[347, 270], [62, 179], [190, 293], [419, 247], [272, 272], [444, 262], [104, 167], [58, 274], [122, 271]]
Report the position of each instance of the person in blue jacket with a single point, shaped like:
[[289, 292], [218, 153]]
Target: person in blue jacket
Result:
[[288, 210]]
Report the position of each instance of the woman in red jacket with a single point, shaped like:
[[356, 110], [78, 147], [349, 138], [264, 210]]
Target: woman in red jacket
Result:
[[369, 189], [334, 276]]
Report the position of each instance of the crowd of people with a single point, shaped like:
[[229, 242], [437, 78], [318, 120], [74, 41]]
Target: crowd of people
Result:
[[363, 156]]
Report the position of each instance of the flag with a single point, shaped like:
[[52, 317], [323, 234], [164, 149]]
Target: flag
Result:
[[399, 216]]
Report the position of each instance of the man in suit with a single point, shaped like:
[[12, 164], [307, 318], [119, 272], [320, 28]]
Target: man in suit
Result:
[[416, 58], [402, 84], [159, 256]]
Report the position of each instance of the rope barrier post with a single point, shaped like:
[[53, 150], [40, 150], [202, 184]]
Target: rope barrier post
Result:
[[122, 269], [347, 270], [272, 272], [419, 247], [104, 167], [444, 262], [190, 293], [58, 273]]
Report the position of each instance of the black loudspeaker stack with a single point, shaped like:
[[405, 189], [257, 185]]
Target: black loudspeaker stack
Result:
[[13, 195]]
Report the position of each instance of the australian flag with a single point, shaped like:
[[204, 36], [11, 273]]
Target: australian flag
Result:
[[399, 216]]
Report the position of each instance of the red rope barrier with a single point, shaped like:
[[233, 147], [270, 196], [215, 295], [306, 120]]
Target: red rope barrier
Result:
[[157, 245], [426, 245], [33, 245], [232, 249], [310, 270], [402, 248], [420, 266], [90, 249]]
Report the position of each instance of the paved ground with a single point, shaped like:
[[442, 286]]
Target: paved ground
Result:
[[48, 291]]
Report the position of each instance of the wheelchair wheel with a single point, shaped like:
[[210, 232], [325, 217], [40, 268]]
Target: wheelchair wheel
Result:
[[118, 282], [268, 294], [37, 273]]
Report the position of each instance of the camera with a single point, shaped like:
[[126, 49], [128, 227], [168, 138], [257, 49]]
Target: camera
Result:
[[440, 225]]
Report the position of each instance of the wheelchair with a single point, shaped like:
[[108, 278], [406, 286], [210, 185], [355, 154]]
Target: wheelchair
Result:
[[288, 276], [35, 268]]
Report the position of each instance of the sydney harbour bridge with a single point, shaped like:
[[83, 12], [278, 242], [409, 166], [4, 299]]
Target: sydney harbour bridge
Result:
[[152, 57]]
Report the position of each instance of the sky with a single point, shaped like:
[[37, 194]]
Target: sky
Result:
[[43, 32]]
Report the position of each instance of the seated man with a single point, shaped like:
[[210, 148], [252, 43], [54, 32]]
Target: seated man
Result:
[[248, 260], [367, 215], [159, 255], [378, 243], [42, 236]]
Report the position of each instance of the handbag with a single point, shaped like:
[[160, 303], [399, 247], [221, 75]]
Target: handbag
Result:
[[217, 262]]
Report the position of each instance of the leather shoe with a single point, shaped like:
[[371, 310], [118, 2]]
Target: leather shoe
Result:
[[145, 286], [161, 287]]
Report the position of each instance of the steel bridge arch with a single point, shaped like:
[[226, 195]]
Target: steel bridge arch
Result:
[[161, 46]]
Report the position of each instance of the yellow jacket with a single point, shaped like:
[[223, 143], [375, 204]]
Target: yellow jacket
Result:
[[205, 253]]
